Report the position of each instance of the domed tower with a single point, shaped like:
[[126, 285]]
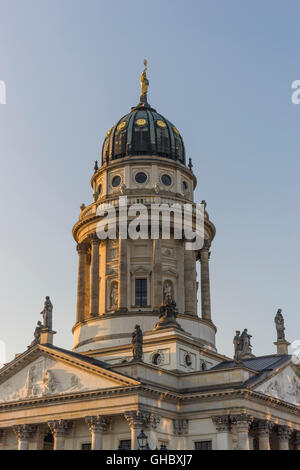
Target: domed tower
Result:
[[124, 282]]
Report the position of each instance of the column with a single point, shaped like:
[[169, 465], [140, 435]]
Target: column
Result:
[[224, 437], [59, 428], [157, 275], [297, 440], [2, 434], [263, 430], [181, 429], [97, 425], [154, 422], [205, 282], [137, 422], [190, 292], [82, 249], [242, 423], [122, 274], [180, 283], [284, 434], [94, 294], [23, 433]]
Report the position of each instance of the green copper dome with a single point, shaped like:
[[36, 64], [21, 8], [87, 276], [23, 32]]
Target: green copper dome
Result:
[[143, 132]]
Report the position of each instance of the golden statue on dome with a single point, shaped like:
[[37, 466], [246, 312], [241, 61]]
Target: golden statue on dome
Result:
[[144, 80]]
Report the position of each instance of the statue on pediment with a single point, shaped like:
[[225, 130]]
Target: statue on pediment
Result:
[[47, 314], [242, 346], [279, 322]]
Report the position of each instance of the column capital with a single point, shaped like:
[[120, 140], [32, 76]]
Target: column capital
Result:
[[284, 433], [94, 239], [99, 423], [222, 423], [138, 418], [206, 247], [264, 427], [154, 420], [180, 426], [297, 439], [242, 421], [24, 431], [82, 248], [60, 427]]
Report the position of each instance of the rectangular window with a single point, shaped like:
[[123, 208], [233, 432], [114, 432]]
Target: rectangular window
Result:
[[86, 446], [141, 292], [125, 445], [203, 445]]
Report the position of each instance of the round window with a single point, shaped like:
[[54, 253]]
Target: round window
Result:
[[184, 186], [166, 180], [141, 177], [116, 181]]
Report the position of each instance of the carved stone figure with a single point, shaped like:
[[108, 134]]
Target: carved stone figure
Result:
[[238, 346], [114, 295], [167, 316], [47, 314], [49, 383], [168, 294], [29, 384], [37, 334], [279, 322], [245, 338], [242, 346], [137, 343]]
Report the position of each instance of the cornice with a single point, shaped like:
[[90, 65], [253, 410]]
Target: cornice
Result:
[[160, 393]]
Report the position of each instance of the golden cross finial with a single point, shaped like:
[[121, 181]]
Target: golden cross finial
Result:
[[144, 80]]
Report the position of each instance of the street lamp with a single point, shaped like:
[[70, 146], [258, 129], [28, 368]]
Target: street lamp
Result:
[[143, 441]]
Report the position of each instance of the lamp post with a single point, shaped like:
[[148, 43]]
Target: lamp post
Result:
[[143, 441]]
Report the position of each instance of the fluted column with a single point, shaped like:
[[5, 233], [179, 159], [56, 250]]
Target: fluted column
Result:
[[136, 421], [122, 274], [59, 429], [82, 249], [97, 424], [224, 437], [190, 292], [23, 433], [284, 434], [94, 294], [242, 423], [263, 431], [157, 275], [205, 281]]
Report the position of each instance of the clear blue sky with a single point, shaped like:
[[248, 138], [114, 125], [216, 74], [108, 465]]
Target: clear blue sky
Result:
[[222, 72]]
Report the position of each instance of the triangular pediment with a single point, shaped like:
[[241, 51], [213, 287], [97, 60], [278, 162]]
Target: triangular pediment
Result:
[[284, 385], [45, 371]]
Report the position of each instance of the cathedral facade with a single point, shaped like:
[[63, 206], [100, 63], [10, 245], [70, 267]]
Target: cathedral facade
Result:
[[144, 363]]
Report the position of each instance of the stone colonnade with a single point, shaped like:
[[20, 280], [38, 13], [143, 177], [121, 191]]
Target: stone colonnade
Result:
[[89, 280], [246, 427], [241, 427]]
